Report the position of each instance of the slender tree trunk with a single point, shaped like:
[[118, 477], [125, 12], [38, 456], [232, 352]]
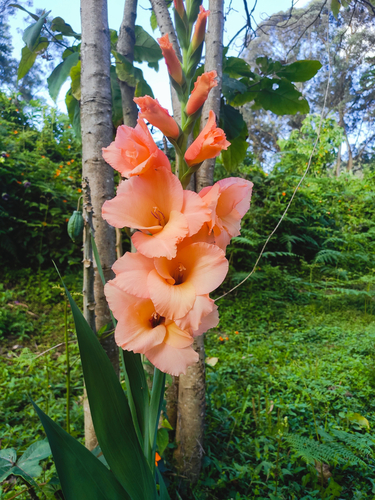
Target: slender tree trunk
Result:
[[166, 26], [338, 162], [125, 46], [97, 130], [214, 61], [349, 167], [192, 386]]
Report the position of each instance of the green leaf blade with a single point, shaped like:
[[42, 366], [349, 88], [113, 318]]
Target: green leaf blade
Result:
[[111, 414], [81, 474]]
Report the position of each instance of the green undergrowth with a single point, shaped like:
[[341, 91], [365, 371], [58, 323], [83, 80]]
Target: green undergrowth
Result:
[[290, 401]]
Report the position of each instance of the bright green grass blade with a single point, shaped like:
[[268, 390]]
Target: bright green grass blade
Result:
[[111, 415], [81, 474]]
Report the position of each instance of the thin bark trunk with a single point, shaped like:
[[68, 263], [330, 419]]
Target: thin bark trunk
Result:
[[213, 61], [97, 130], [190, 417], [166, 26], [192, 386], [349, 166], [125, 47], [338, 162]]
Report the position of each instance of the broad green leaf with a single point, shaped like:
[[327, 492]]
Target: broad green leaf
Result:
[[80, 473], [281, 97], [125, 70], [32, 32], [28, 57], [117, 115], [111, 414], [162, 440], [74, 113], [231, 87], [114, 38], [235, 67], [60, 74], [75, 75], [231, 121], [34, 16], [153, 21], [27, 60], [146, 48], [29, 461], [236, 152], [300, 71], [27, 466], [358, 419], [58, 24], [335, 7], [8, 458], [143, 88]]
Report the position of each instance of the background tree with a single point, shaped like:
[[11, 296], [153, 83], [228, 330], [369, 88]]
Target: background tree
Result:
[[302, 34]]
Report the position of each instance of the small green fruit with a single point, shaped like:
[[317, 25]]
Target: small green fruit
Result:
[[75, 226]]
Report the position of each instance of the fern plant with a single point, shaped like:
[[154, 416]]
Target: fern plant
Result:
[[335, 448]]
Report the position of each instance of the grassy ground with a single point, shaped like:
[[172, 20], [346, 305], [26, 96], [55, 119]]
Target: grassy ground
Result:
[[277, 372]]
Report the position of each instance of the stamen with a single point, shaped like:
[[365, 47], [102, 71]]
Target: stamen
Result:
[[158, 214], [156, 320], [179, 274]]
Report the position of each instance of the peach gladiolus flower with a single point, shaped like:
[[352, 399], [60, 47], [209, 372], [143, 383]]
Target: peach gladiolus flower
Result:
[[196, 270], [156, 204], [157, 116], [171, 59], [199, 94], [200, 28], [141, 329], [209, 143], [134, 151], [229, 200]]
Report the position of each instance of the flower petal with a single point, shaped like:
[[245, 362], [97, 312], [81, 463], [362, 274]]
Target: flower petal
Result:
[[137, 198], [134, 331], [117, 299], [195, 211], [206, 264], [171, 360], [208, 322], [131, 273], [171, 301], [176, 337], [164, 243], [203, 306]]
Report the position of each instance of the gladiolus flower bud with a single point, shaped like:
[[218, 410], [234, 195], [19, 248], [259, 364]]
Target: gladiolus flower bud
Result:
[[171, 59], [157, 116], [209, 143], [200, 28], [179, 6], [199, 94]]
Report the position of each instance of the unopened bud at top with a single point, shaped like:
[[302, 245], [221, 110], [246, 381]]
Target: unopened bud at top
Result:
[[200, 28], [199, 94], [171, 59]]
